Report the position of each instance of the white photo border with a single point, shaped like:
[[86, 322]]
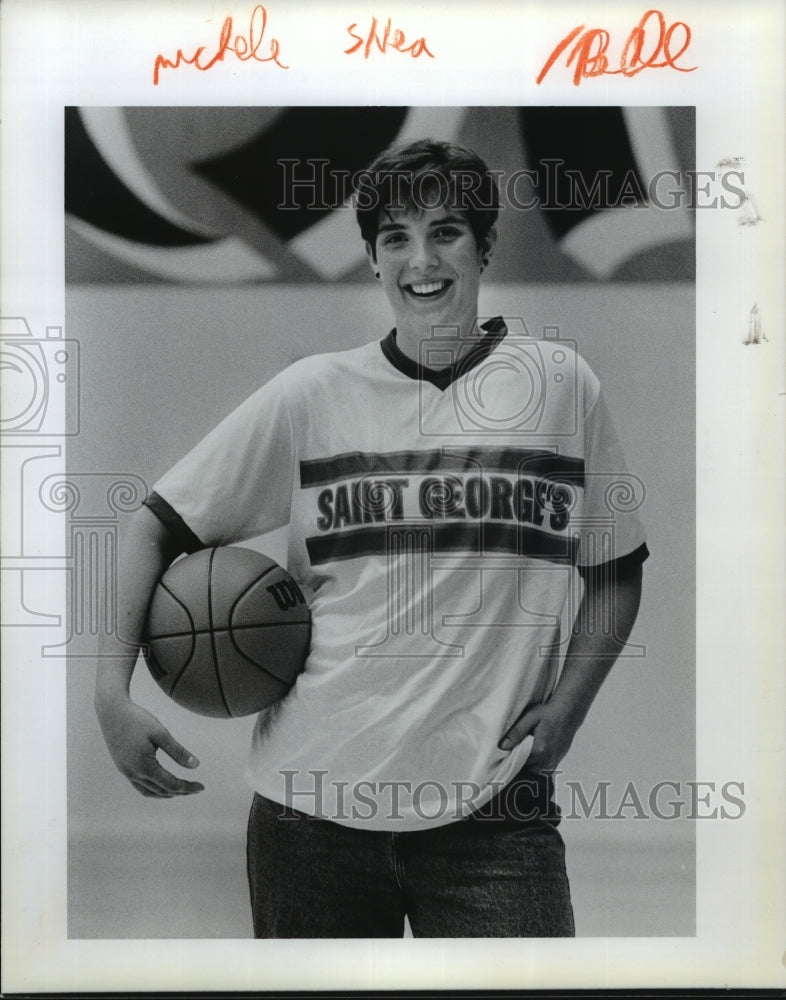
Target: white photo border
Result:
[[84, 53]]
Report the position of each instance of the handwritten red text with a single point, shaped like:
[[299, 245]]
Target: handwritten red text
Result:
[[638, 53], [244, 47], [389, 38]]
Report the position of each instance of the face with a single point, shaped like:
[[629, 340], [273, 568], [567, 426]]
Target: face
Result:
[[429, 266]]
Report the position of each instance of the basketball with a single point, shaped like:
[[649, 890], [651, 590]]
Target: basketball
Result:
[[228, 632]]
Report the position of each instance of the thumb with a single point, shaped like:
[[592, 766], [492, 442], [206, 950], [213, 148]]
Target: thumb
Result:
[[523, 726], [176, 750]]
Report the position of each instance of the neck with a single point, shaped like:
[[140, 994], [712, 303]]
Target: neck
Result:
[[450, 341]]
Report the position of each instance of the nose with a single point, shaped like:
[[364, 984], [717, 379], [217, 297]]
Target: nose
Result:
[[423, 255]]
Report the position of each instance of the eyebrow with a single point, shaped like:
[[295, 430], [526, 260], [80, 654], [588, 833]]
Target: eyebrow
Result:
[[454, 220]]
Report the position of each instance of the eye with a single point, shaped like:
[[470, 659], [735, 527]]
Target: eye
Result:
[[393, 239], [447, 233]]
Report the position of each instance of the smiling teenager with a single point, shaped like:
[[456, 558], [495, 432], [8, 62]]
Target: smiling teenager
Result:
[[407, 773]]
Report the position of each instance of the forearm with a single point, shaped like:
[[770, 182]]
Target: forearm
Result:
[[603, 624], [133, 736], [145, 552], [606, 615]]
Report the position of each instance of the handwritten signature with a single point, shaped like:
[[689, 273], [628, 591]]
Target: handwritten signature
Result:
[[244, 47], [398, 41], [590, 50]]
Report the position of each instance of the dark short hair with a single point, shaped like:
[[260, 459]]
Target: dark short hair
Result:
[[408, 176]]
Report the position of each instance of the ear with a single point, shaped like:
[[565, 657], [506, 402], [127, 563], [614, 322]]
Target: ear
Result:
[[490, 241], [372, 257], [486, 249]]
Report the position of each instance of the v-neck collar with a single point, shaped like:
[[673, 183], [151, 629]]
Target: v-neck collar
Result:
[[442, 377]]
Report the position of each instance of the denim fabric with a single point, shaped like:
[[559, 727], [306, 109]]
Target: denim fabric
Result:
[[312, 878]]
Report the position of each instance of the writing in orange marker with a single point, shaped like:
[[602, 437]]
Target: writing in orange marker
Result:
[[648, 46], [243, 47], [388, 38]]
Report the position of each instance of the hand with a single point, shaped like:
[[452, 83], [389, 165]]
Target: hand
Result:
[[133, 736], [552, 734]]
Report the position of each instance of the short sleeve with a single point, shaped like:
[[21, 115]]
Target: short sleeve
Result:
[[609, 527], [237, 482]]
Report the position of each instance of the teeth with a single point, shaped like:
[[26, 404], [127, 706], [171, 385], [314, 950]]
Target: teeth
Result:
[[428, 287]]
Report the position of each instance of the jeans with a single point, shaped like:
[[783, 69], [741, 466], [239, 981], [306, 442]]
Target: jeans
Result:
[[313, 878]]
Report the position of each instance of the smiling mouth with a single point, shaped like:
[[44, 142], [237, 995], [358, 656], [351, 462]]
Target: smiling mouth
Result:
[[427, 289]]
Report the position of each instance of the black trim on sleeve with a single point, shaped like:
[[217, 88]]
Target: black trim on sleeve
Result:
[[621, 565], [167, 515]]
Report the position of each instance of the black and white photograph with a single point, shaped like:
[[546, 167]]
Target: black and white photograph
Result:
[[365, 512], [445, 504]]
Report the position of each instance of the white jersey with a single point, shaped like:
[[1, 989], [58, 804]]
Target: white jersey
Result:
[[437, 518]]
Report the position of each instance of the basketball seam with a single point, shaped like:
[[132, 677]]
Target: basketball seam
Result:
[[253, 583], [229, 628], [175, 598], [212, 634], [259, 665], [192, 634]]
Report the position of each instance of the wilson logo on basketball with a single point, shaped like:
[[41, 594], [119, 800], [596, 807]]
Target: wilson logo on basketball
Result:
[[286, 594]]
